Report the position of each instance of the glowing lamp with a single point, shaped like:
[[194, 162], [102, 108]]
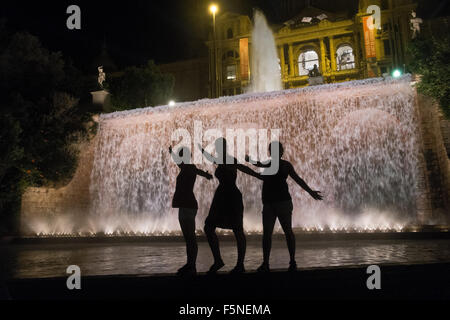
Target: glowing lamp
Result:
[[396, 73], [213, 8]]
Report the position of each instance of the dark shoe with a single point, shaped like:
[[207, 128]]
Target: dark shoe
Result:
[[187, 270], [186, 266], [263, 268], [292, 267], [238, 269], [216, 267]]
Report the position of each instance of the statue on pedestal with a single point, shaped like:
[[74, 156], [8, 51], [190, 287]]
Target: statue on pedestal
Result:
[[315, 77], [314, 72], [415, 23], [101, 76]]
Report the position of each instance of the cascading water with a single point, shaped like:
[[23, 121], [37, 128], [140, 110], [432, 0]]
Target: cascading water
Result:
[[266, 73], [356, 142]]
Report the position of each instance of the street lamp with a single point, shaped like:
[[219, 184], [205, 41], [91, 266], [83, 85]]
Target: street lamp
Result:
[[213, 9]]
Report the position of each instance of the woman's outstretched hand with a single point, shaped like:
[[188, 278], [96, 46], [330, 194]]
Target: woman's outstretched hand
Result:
[[317, 195]]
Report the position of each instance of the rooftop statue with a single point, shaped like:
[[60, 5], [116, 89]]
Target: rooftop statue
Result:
[[314, 72]]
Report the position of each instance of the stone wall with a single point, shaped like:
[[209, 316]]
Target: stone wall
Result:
[[52, 206], [445, 129], [434, 206]]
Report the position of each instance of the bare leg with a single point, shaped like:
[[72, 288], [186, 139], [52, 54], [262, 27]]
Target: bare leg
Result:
[[268, 224], [286, 223], [187, 224], [241, 245], [213, 242]]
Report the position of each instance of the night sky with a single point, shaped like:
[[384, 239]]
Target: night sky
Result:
[[138, 30]]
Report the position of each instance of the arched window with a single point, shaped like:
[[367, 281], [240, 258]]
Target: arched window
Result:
[[306, 62], [345, 57], [230, 54], [229, 33], [231, 72]]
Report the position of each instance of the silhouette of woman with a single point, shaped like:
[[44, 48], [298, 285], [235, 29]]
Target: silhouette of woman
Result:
[[277, 203], [227, 208], [184, 199]]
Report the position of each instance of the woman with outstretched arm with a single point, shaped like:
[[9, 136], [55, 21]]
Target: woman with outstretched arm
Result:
[[184, 200], [277, 203], [227, 208]]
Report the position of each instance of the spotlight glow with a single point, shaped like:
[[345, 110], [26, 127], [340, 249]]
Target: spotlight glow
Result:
[[213, 8], [396, 73]]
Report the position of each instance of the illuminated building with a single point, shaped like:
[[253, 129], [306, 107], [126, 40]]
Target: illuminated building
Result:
[[370, 43]]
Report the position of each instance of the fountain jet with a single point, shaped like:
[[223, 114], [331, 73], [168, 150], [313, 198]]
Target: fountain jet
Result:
[[265, 66]]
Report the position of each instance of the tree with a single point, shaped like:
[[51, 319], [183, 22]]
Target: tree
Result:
[[140, 87], [429, 57], [39, 121]]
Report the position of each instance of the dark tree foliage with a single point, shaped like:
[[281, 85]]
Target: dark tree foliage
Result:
[[430, 56], [140, 87], [39, 120]]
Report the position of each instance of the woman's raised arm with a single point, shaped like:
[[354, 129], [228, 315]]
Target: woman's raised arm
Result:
[[315, 194], [207, 155], [175, 157]]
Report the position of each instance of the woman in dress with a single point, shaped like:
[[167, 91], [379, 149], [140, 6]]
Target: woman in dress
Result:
[[184, 200], [227, 208]]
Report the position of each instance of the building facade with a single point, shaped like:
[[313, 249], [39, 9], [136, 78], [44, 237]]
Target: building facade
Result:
[[344, 47], [190, 78]]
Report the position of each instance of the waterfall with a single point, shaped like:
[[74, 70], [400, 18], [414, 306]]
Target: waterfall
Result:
[[357, 142]]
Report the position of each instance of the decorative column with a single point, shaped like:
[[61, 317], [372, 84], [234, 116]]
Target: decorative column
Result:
[[282, 62], [357, 50], [323, 66], [291, 60], [333, 55]]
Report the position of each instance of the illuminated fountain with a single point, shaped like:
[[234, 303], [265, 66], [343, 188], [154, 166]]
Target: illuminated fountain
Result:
[[357, 142], [266, 74]]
